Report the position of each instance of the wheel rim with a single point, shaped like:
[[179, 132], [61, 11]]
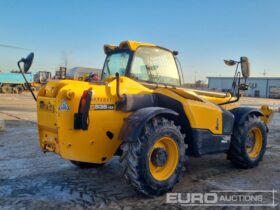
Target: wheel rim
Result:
[[254, 142], [168, 164]]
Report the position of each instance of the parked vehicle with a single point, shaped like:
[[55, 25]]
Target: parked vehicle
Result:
[[40, 78], [13, 82]]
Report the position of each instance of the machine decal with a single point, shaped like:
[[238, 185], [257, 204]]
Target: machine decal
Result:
[[46, 107], [226, 139], [102, 107], [64, 106]]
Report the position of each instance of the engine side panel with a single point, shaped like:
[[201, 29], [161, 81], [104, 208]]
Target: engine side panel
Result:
[[201, 114]]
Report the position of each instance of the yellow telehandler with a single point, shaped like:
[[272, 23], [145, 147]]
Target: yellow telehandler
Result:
[[140, 112]]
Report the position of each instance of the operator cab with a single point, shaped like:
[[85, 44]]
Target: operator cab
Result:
[[153, 65], [142, 62]]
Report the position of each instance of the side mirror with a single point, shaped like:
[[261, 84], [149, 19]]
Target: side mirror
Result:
[[27, 62], [245, 67], [230, 62]]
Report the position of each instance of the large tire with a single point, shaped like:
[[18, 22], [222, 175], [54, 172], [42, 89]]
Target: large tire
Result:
[[18, 89], [151, 163], [7, 89], [248, 143], [84, 165]]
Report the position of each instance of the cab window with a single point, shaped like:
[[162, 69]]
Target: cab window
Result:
[[154, 65], [116, 62]]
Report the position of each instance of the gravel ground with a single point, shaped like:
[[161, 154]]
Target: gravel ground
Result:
[[30, 179]]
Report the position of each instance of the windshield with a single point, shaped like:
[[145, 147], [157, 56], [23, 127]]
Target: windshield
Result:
[[155, 65], [114, 63]]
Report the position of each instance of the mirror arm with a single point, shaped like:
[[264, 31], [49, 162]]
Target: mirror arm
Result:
[[238, 88], [236, 78], [233, 87], [26, 82]]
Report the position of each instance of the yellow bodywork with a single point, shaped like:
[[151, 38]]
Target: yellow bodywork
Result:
[[267, 114], [131, 45], [56, 129]]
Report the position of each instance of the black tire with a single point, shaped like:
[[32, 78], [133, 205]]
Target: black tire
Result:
[[18, 89], [135, 157], [238, 153], [85, 165], [7, 89]]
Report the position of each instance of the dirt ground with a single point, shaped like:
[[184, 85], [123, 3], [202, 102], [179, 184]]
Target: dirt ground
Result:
[[33, 180]]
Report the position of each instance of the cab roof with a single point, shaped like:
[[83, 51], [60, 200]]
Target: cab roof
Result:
[[130, 45]]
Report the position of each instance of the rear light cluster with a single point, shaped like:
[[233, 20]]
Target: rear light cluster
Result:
[[81, 119]]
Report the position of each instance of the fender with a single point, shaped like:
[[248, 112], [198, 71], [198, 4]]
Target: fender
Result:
[[241, 113], [134, 124]]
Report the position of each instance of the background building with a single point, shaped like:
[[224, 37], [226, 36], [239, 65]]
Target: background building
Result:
[[265, 87]]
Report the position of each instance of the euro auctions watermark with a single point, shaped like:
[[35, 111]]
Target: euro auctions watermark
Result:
[[224, 198]]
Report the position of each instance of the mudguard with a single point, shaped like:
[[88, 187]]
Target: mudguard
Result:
[[241, 113], [134, 124]]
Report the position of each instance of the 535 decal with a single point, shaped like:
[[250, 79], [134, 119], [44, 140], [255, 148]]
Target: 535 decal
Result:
[[102, 107]]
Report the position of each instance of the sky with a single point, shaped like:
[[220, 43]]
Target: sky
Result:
[[205, 32]]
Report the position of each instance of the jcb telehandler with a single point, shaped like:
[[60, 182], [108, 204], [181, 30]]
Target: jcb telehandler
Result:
[[140, 112]]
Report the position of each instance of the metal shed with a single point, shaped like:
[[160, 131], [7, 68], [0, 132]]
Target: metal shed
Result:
[[265, 87]]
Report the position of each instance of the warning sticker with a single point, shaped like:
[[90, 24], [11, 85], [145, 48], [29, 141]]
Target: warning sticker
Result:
[[64, 106]]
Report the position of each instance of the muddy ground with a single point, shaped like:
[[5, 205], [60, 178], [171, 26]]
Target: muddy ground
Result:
[[33, 180]]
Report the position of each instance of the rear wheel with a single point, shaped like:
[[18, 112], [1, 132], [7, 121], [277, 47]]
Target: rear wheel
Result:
[[18, 89], [7, 88], [248, 143], [152, 164], [86, 165]]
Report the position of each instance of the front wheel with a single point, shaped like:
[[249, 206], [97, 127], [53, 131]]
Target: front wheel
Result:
[[7, 89], [152, 164], [248, 143]]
